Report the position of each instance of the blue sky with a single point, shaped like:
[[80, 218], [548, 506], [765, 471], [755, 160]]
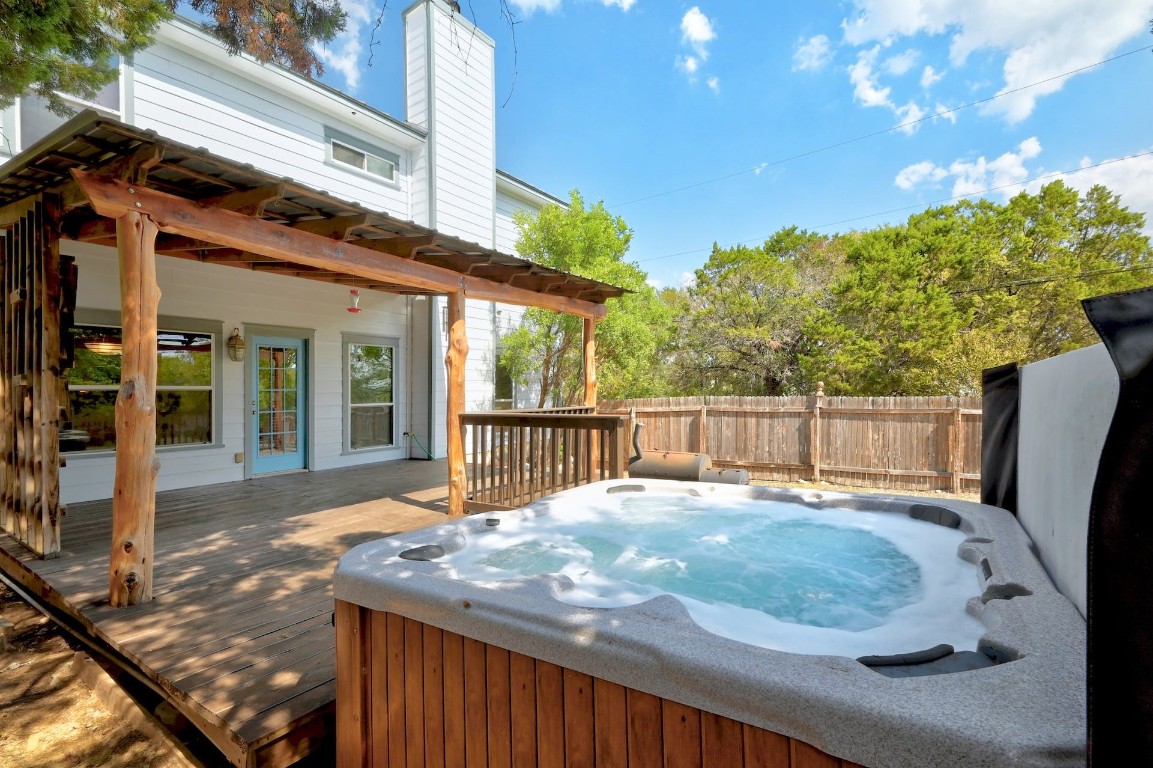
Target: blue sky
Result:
[[686, 118]]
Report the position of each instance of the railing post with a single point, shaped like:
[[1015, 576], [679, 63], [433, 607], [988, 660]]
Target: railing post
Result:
[[815, 438]]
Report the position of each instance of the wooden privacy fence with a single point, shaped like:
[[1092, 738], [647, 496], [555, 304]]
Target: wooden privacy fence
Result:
[[519, 456], [907, 443]]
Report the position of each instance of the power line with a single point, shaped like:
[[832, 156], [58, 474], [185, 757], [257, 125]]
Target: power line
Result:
[[1014, 284], [899, 126], [919, 205]]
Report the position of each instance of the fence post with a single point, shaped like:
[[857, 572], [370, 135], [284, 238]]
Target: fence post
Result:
[[815, 438], [702, 432], [956, 454]]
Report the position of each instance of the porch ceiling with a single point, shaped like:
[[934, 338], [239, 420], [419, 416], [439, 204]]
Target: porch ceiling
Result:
[[110, 149]]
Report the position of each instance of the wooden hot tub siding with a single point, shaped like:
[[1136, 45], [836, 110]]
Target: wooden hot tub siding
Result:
[[409, 694]]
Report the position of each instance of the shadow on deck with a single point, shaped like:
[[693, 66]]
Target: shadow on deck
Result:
[[239, 631]]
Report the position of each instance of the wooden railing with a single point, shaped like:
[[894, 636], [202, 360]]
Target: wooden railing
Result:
[[518, 456]]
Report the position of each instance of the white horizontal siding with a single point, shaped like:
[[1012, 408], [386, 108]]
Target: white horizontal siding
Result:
[[507, 232], [236, 297], [196, 102], [463, 127], [416, 72]]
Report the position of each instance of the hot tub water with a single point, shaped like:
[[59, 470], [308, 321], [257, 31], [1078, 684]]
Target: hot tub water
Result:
[[770, 573]]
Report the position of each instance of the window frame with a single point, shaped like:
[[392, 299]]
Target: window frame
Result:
[[347, 340], [333, 136], [112, 319]]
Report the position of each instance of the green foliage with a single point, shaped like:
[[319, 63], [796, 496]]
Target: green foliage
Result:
[[70, 46], [745, 321], [74, 46], [546, 351], [926, 305]]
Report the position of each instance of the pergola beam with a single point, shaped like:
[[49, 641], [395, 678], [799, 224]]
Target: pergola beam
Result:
[[114, 198]]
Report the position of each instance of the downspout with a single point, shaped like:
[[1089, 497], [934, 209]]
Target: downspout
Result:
[[431, 410]]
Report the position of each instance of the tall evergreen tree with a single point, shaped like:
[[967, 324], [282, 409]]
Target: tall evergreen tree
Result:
[[74, 46]]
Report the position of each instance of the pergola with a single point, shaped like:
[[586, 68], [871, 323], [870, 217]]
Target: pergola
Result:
[[99, 181]]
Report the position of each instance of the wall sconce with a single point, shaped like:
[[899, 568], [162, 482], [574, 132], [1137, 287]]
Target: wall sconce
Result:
[[236, 346], [354, 300]]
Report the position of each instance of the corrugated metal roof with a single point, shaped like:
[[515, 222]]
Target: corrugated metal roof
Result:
[[99, 144]]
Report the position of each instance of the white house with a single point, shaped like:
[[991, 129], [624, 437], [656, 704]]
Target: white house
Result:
[[323, 386]]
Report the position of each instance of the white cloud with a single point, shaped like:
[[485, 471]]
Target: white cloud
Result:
[[917, 174], [683, 280], [972, 178], [930, 77], [910, 117], [343, 53], [868, 91], [1039, 38], [527, 7], [689, 65], [1127, 176], [902, 62], [865, 88], [945, 112], [812, 55], [697, 32]]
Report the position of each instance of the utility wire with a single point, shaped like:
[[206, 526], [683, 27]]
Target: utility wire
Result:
[[917, 205], [1014, 284], [761, 166]]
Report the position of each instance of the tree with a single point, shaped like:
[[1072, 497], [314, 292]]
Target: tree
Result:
[[546, 351], [748, 311], [73, 46], [925, 306]]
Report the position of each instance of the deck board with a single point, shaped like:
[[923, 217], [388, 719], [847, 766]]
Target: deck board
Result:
[[239, 631]]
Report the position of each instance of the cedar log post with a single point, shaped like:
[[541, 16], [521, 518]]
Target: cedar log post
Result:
[[454, 361], [590, 349], [590, 371], [134, 492]]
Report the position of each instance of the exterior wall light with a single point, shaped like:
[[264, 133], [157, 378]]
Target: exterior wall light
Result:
[[236, 346]]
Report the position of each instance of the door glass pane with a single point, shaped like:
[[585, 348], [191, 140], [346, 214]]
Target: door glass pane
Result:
[[277, 398]]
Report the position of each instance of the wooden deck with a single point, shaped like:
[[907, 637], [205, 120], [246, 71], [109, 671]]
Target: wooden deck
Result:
[[239, 633]]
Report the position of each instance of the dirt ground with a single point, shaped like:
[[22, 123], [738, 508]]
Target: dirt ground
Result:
[[48, 717]]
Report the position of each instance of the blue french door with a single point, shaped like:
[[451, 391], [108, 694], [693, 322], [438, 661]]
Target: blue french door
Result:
[[279, 411]]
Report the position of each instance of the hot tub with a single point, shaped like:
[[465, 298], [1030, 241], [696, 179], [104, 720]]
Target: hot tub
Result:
[[506, 672]]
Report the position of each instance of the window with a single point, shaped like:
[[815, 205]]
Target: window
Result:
[[370, 378], [347, 151], [185, 375], [37, 121]]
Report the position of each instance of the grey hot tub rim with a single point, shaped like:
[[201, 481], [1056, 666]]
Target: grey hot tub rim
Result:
[[1030, 712]]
